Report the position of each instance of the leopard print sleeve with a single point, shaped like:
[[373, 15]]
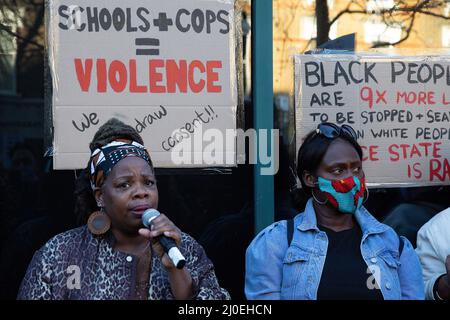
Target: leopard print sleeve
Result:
[[205, 283], [36, 284], [45, 278]]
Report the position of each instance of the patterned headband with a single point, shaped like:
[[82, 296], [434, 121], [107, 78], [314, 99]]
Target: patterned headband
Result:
[[105, 158]]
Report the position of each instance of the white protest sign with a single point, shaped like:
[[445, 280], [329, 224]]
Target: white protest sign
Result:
[[167, 68], [399, 106]]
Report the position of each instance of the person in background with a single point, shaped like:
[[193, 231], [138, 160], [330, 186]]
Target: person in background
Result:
[[335, 249], [113, 256], [433, 249]]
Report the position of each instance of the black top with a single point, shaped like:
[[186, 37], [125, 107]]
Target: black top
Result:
[[344, 275]]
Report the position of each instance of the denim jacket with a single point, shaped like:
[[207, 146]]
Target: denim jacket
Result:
[[276, 271]]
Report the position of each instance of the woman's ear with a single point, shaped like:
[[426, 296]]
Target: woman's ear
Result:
[[98, 194], [309, 179]]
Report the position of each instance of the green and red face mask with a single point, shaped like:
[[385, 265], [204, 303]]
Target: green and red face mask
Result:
[[346, 195]]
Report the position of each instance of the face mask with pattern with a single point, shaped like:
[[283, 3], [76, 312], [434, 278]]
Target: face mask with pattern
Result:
[[346, 195]]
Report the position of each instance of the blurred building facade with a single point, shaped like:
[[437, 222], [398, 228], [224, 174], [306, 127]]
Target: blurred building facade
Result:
[[294, 28]]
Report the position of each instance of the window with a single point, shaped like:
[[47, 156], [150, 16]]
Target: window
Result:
[[446, 36], [378, 5], [308, 28], [379, 32]]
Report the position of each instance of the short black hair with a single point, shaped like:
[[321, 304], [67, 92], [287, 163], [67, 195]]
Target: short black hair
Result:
[[312, 151]]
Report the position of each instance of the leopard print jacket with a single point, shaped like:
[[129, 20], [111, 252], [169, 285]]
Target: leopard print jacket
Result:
[[77, 265]]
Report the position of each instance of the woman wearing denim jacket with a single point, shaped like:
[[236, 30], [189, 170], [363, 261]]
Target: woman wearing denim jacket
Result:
[[338, 249]]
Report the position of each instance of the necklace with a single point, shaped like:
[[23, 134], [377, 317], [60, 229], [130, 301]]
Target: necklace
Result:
[[143, 251], [136, 252]]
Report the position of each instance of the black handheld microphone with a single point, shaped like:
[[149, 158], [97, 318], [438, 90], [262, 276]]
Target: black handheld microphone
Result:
[[168, 244]]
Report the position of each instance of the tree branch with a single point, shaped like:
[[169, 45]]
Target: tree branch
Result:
[[392, 16], [323, 24], [32, 32], [346, 10], [437, 15], [408, 33], [14, 34], [418, 8]]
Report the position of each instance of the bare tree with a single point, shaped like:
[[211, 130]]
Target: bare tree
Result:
[[29, 16], [22, 24], [402, 14]]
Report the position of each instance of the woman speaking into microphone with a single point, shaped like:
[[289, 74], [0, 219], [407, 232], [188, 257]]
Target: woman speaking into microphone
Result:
[[113, 256]]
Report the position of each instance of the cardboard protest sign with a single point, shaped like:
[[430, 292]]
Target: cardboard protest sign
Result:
[[167, 68], [399, 106]]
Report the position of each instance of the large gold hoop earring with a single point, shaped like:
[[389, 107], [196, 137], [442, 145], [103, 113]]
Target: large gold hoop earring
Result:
[[99, 223]]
